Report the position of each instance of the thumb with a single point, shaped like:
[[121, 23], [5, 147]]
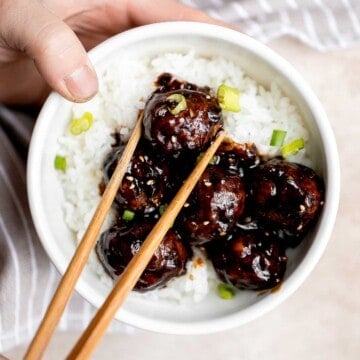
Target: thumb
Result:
[[57, 52]]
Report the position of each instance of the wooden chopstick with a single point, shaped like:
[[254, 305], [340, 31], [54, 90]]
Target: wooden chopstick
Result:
[[97, 327], [75, 267]]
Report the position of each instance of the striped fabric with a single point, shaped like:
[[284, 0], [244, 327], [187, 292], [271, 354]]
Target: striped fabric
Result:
[[27, 279], [322, 24]]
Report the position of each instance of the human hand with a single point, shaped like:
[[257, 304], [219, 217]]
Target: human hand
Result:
[[43, 43]]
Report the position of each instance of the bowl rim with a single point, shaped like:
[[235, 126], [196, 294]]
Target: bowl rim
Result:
[[317, 248]]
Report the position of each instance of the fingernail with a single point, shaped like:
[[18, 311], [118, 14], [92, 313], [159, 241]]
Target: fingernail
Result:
[[82, 84]]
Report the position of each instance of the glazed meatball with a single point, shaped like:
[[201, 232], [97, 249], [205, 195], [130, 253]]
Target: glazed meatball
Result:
[[190, 128], [249, 260], [120, 243], [237, 157], [146, 184], [214, 206], [167, 82], [286, 197]]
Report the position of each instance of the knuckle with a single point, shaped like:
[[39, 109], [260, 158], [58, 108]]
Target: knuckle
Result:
[[52, 39]]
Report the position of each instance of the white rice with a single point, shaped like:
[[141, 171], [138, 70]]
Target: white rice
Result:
[[124, 88]]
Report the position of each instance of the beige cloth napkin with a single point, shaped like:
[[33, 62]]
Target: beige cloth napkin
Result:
[[27, 278]]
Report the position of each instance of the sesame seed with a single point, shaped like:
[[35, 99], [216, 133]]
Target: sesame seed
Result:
[[299, 227], [206, 222], [198, 262], [207, 183], [130, 178], [173, 139], [150, 182], [132, 186], [302, 208], [141, 158], [186, 205]]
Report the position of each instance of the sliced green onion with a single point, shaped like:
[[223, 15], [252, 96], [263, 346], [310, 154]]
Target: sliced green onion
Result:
[[228, 98], [81, 124], [180, 101], [226, 291], [162, 208], [277, 137], [128, 215], [213, 160], [293, 147], [201, 155], [60, 163]]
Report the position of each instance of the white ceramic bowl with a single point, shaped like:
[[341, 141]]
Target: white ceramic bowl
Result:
[[260, 63]]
